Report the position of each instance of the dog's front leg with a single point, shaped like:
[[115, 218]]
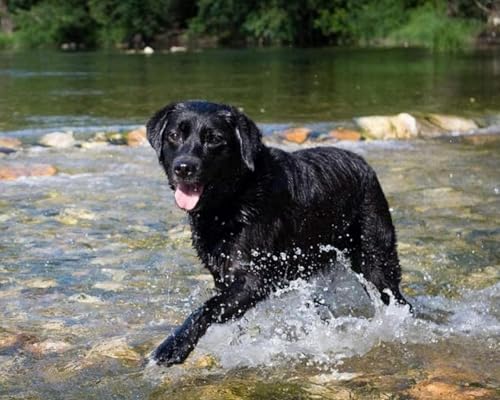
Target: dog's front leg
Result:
[[231, 303]]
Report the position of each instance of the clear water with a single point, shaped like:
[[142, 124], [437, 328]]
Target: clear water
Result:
[[97, 268], [96, 265]]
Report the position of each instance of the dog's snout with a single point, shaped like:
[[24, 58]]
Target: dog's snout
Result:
[[185, 167]]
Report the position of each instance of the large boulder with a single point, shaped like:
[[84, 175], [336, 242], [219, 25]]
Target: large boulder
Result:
[[401, 126], [60, 140]]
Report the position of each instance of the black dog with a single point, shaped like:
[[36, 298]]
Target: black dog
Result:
[[261, 217]]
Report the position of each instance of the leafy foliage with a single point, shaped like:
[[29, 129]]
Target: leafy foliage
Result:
[[439, 24]]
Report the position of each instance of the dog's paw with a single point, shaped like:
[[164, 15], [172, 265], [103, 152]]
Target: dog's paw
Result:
[[171, 351]]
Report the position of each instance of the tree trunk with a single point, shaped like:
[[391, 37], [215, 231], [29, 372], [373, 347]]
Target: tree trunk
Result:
[[6, 22]]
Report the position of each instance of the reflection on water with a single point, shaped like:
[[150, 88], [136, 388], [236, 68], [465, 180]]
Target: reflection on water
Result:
[[96, 268], [274, 85]]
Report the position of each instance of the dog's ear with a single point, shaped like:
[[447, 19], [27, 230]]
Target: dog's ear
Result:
[[155, 128], [249, 137]]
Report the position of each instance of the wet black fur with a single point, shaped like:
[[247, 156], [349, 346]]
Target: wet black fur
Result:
[[265, 214]]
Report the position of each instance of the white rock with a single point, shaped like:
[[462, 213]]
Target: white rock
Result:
[[59, 140], [401, 126]]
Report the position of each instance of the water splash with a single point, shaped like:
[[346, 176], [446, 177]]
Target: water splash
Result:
[[290, 327]]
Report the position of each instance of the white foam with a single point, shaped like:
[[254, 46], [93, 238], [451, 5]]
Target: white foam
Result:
[[288, 327]]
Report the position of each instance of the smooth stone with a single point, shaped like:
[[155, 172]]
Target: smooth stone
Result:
[[148, 50], [111, 286], [93, 145], [345, 134], [116, 275], [401, 126], [40, 283], [11, 172], [296, 135], [47, 347], [10, 143], [179, 233], [85, 298], [452, 123], [60, 140], [114, 348], [137, 137], [72, 216]]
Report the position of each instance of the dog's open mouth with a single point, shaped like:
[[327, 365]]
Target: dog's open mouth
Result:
[[187, 195]]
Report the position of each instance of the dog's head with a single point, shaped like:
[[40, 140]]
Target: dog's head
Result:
[[203, 147]]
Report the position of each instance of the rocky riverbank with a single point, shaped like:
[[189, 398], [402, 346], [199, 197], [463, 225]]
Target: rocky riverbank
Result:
[[402, 126]]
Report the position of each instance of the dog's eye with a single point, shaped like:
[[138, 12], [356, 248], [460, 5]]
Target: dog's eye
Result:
[[174, 136], [212, 139]]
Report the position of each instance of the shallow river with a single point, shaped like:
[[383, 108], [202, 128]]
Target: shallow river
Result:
[[97, 268]]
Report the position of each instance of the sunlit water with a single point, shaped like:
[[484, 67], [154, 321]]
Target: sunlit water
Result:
[[40, 90], [96, 269]]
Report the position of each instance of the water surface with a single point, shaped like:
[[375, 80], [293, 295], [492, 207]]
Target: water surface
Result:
[[41, 90], [96, 268]]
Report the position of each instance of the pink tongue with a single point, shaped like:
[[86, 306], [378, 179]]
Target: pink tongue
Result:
[[187, 196]]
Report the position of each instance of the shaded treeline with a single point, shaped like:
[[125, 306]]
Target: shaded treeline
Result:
[[135, 23]]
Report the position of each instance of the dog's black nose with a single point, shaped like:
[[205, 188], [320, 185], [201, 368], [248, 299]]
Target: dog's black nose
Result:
[[185, 167]]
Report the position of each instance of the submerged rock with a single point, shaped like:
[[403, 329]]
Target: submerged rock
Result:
[[110, 286], [10, 172], [48, 346], [72, 216], [137, 137], [85, 298], [60, 140], [40, 283], [114, 348]]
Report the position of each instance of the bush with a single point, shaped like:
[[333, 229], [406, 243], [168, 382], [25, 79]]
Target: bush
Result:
[[429, 26]]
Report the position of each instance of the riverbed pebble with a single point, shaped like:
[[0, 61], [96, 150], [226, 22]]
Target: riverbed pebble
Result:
[[40, 349], [41, 283], [72, 216], [60, 140], [345, 134], [137, 137], [296, 135], [114, 348], [10, 143], [15, 171]]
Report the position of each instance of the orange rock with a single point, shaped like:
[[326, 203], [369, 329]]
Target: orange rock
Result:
[[345, 134], [137, 137], [9, 172], [296, 135], [10, 143]]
